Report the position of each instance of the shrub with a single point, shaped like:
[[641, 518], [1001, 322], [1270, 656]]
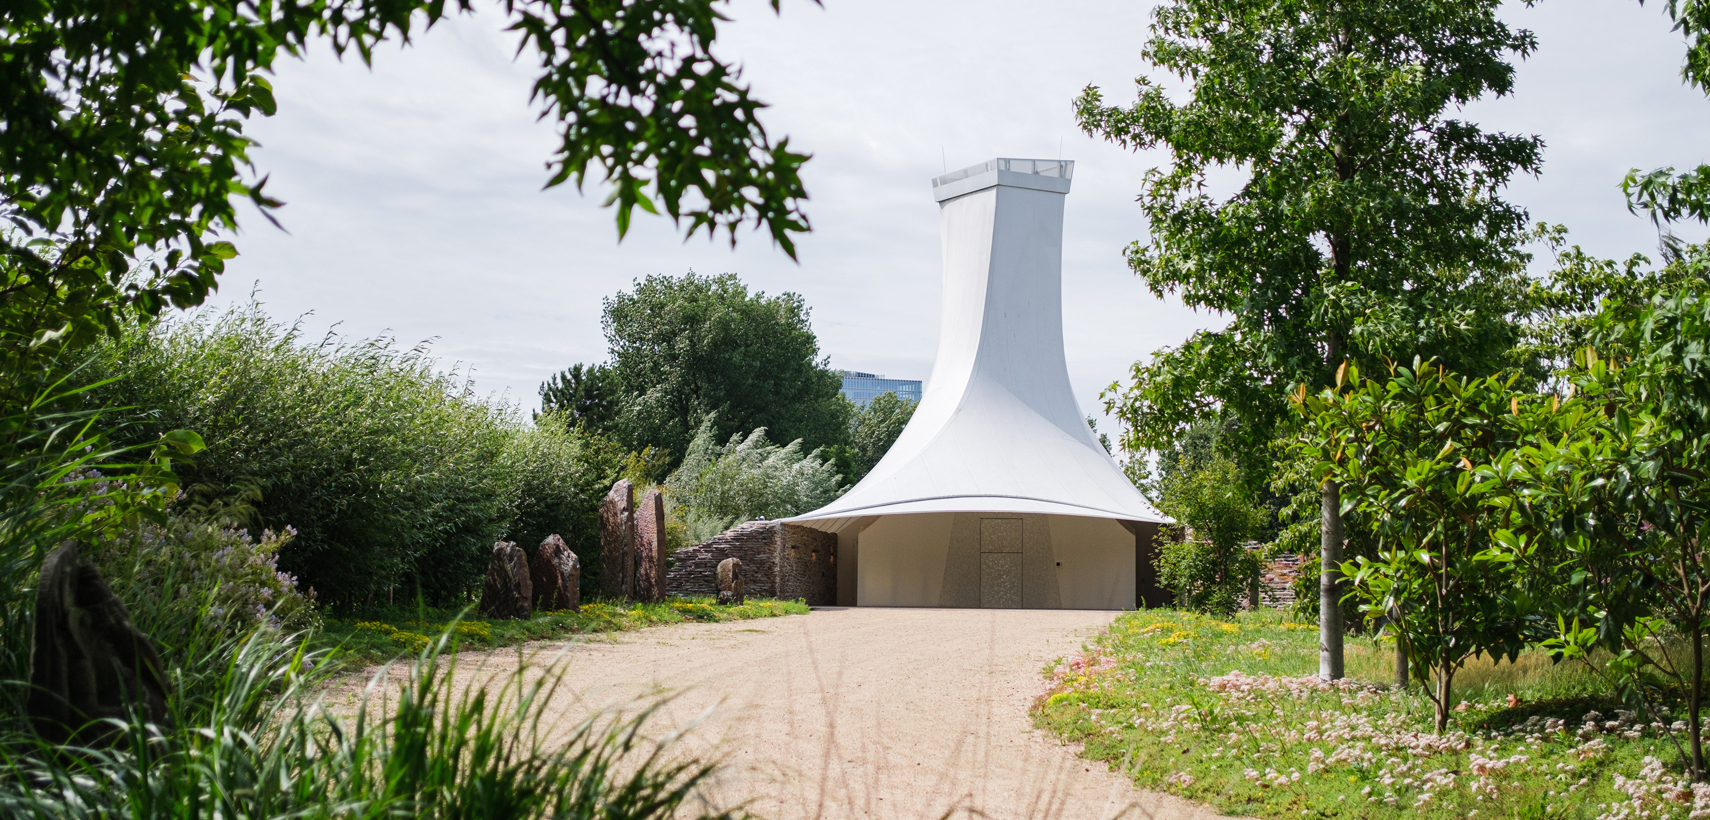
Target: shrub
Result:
[[394, 476], [1209, 567], [561, 473], [217, 573], [718, 487]]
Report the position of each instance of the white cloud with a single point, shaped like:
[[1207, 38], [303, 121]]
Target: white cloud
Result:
[[415, 203]]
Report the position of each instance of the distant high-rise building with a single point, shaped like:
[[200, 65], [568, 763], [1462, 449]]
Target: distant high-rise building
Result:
[[864, 387]]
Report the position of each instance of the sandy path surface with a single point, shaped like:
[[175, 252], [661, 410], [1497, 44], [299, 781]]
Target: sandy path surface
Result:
[[860, 713]]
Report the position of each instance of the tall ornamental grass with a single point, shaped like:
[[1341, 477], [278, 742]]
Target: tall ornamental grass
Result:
[[396, 478], [718, 487], [257, 743]]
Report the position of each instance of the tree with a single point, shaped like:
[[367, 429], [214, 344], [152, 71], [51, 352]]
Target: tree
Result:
[[872, 430], [748, 477], [1623, 493], [1367, 223], [122, 145], [691, 348], [1209, 567], [585, 396], [1411, 455]]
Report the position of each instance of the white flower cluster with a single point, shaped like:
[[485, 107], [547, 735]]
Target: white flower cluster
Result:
[[1243, 687], [1655, 794]]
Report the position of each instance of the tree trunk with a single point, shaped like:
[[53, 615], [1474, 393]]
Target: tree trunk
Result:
[[1401, 670], [1442, 703], [1695, 700], [1330, 566]]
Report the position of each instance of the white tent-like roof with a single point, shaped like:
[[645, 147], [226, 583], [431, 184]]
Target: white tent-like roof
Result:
[[998, 428]]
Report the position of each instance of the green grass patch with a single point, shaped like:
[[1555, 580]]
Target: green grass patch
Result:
[[381, 635], [1232, 714]]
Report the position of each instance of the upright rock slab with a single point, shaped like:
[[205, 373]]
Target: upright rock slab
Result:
[[556, 574], [508, 593], [87, 660], [730, 581], [650, 548], [617, 542]]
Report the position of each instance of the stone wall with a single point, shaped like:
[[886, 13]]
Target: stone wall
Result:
[[1276, 580], [778, 561], [807, 565], [695, 571]]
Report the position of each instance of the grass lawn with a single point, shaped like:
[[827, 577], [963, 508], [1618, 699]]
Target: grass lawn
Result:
[[1231, 713], [382, 635]]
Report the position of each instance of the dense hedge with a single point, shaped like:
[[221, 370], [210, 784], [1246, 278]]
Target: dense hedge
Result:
[[396, 478]]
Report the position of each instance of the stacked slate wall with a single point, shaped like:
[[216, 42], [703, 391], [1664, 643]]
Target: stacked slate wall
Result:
[[778, 561], [696, 568], [807, 565]]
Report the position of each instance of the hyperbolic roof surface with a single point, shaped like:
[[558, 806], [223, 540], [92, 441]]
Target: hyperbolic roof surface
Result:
[[998, 428]]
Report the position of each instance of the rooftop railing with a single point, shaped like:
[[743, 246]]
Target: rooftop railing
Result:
[[1060, 168]]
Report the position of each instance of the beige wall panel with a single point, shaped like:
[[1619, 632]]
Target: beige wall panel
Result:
[[903, 559], [961, 587], [848, 564], [1097, 557]]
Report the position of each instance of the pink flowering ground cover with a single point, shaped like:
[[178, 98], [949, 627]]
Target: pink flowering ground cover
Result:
[[1231, 713]]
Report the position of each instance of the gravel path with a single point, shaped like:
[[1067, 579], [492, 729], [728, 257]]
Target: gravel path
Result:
[[861, 713]]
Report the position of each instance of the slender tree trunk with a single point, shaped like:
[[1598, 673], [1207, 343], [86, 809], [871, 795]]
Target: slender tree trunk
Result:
[[1442, 704], [1401, 671], [1695, 700], [1330, 566]]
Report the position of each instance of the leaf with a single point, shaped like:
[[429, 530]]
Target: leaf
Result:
[[187, 442]]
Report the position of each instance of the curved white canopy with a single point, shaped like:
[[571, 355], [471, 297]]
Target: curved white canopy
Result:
[[998, 428]]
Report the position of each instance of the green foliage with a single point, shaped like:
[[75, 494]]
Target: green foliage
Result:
[[250, 735], [1208, 566], [395, 479], [122, 133], [1618, 493], [1662, 194], [584, 396], [1414, 457], [265, 746], [872, 430], [187, 570], [1367, 224], [378, 636], [693, 347], [557, 478], [1229, 713], [718, 487]]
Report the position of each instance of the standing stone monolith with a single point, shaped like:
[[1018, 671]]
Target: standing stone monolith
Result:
[[730, 581], [508, 593], [87, 660], [617, 542], [555, 573], [650, 548]]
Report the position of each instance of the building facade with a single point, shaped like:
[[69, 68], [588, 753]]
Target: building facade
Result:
[[997, 494], [861, 388]]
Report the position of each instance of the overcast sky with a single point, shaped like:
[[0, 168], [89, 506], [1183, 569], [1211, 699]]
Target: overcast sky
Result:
[[415, 204]]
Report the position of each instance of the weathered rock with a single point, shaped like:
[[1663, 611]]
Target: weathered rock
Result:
[[555, 573], [730, 581], [617, 542], [650, 548], [508, 592], [87, 661]]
